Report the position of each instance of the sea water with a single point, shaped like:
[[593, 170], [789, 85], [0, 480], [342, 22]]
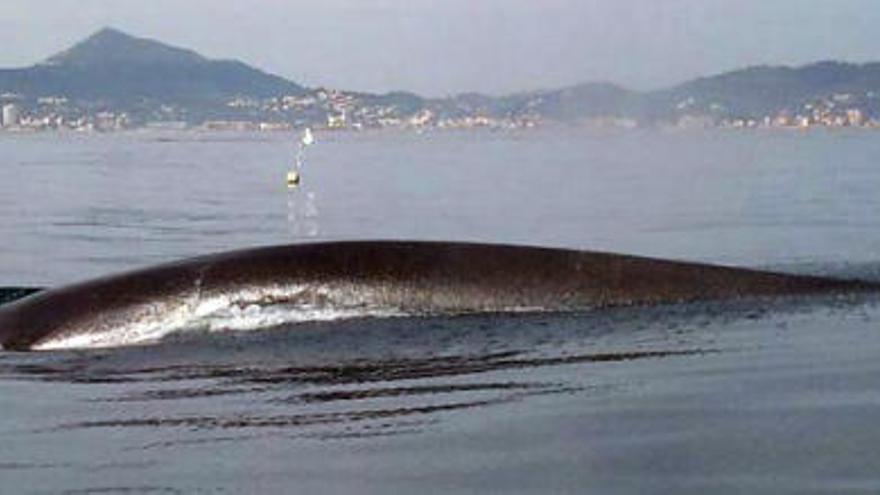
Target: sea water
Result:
[[774, 396]]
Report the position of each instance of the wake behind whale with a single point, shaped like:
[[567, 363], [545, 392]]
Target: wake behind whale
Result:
[[273, 286]]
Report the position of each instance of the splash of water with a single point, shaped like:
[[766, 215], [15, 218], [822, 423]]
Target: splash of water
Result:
[[303, 219], [242, 310], [302, 206]]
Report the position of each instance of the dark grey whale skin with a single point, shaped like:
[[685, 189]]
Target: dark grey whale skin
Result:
[[418, 277]]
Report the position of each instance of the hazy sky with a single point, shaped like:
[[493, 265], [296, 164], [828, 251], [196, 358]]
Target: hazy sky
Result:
[[437, 47]]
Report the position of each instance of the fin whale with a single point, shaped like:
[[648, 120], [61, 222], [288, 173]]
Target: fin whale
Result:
[[369, 278]]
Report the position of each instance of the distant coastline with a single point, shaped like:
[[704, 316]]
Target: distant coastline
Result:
[[113, 81]]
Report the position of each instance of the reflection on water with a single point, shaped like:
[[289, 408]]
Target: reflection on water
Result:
[[302, 214], [351, 377], [274, 384]]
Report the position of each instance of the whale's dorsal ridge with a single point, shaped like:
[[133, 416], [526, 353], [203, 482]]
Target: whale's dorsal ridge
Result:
[[358, 278]]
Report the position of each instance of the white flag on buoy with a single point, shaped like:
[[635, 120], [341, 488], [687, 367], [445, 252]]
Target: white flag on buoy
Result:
[[307, 138]]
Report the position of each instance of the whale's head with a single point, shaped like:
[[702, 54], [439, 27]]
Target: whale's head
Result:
[[107, 304]]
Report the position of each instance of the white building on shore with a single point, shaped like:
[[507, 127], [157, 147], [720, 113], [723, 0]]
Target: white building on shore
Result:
[[11, 115]]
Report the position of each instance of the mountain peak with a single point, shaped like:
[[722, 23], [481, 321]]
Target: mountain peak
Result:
[[112, 46], [110, 33]]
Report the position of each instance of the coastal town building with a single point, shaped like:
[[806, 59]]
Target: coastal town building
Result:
[[332, 109], [11, 115]]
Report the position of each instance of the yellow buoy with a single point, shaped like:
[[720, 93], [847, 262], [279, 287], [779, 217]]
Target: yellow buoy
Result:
[[292, 179]]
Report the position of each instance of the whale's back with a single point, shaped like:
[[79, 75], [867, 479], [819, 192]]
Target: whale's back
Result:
[[370, 278]]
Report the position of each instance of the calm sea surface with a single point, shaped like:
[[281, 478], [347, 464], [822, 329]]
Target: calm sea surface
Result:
[[777, 396]]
